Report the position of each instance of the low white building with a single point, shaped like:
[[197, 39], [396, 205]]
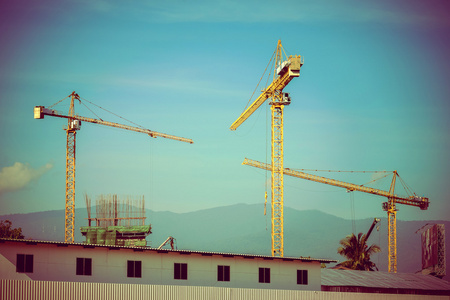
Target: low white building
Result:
[[78, 262]]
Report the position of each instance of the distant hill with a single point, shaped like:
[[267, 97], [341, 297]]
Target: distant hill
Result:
[[243, 228]]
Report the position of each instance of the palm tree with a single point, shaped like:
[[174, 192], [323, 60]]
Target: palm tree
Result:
[[355, 249]]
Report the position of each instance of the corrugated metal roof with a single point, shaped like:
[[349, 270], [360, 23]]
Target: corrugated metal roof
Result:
[[205, 253], [331, 277]]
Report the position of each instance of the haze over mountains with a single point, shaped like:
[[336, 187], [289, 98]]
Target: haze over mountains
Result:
[[243, 228]]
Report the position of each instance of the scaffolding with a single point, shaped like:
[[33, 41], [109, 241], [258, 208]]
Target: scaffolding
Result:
[[112, 212], [117, 221]]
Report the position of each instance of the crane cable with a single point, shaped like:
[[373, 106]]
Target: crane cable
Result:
[[79, 99], [266, 172], [408, 190], [379, 239], [364, 184], [376, 179], [267, 142], [59, 101], [352, 211], [267, 127], [91, 111], [113, 114], [267, 130], [339, 171], [259, 82]]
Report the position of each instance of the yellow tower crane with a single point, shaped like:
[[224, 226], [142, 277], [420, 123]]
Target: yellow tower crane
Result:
[[73, 125], [286, 68], [389, 206]]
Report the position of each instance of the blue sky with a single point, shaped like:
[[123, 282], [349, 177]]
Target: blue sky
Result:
[[372, 95]]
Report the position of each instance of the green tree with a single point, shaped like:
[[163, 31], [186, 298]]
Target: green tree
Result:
[[6, 231], [355, 249]]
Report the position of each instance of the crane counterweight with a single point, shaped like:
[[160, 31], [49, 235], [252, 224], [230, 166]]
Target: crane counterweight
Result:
[[41, 111]]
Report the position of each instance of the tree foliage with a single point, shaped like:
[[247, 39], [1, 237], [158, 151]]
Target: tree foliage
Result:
[[6, 230], [355, 249]]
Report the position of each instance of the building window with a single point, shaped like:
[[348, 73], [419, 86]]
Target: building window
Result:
[[223, 273], [24, 263], [84, 266], [264, 275], [180, 271], [134, 268], [302, 277]]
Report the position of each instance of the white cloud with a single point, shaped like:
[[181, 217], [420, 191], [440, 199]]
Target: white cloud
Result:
[[19, 175]]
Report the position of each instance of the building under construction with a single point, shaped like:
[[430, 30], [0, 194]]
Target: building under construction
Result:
[[433, 249], [119, 222]]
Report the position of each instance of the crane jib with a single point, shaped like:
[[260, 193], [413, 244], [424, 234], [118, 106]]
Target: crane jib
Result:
[[421, 202], [289, 70], [41, 111]]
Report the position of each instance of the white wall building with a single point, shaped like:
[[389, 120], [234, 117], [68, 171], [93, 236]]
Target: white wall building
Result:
[[69, 262]]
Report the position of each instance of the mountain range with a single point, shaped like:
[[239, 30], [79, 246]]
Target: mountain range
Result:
[[243, 228]]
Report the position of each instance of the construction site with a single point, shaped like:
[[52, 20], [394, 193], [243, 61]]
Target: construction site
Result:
[[116, 232]]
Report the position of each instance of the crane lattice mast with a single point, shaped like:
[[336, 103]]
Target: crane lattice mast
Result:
[[73, 125], [71, 131], [286, 68]]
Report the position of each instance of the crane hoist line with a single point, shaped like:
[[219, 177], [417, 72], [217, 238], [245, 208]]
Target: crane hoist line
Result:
[[389, 206], [73, 125], [286, 68]]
